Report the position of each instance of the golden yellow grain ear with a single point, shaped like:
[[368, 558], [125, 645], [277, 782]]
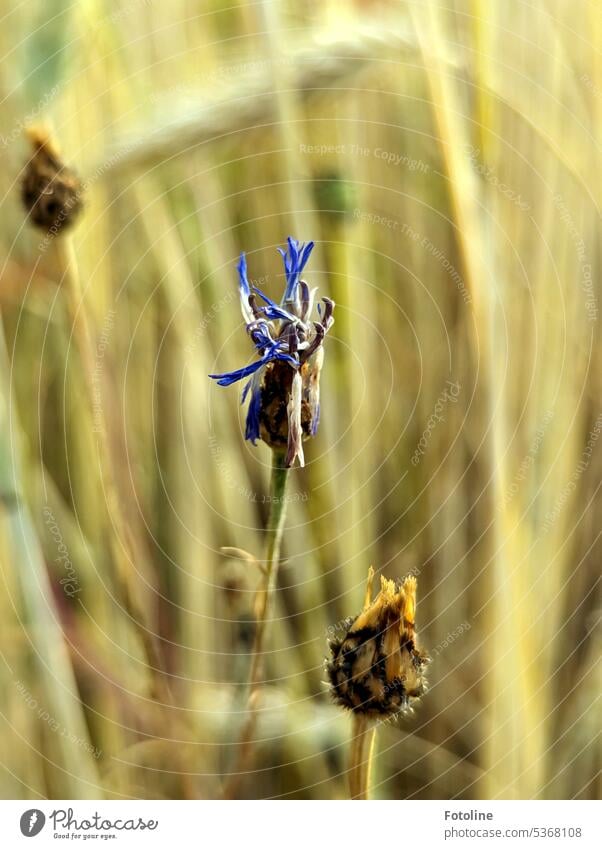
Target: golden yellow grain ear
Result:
[[369, 585]]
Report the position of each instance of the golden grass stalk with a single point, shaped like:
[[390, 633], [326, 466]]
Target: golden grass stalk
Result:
[[473, 246], [361, 753], [120, 539], [79, 773]]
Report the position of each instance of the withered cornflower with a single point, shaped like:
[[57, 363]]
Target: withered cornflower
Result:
[[377, 669], [284, 383], [51, 192]]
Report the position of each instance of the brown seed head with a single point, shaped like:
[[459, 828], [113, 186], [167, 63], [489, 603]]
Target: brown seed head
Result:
[[276, 390], [377, 669], [51, 192]]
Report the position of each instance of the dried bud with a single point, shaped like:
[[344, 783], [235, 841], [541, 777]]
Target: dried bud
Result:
[[377, 668], [51, 192]]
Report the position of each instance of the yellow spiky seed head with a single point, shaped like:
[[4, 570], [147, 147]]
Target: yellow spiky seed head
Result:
[[377, 668]]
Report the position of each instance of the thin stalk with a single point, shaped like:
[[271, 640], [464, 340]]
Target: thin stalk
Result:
[[120, 540], [363, 735], [263, 605], [41, 620], [272, 561]]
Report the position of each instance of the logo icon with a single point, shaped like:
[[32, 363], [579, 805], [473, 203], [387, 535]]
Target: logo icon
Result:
[[32, 822]]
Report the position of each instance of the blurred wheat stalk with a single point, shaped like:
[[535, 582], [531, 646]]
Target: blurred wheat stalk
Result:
[[472, 256]]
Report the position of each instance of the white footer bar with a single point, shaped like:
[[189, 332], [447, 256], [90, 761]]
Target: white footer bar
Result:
[[300, 825]]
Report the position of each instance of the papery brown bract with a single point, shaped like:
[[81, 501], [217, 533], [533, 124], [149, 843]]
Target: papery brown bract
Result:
[[276, 390]]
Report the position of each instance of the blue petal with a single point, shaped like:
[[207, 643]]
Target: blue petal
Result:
[[245, 289], [286, 358], [273, 311], [261, 337], [252, 425], [245, 391], [274, 352], [294, 263], [293, 250], [306, 253], [315, 421], [287, 266], [230, 377]]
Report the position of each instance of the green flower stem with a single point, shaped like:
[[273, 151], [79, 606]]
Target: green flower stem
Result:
[[120, 541], [264, 603], [363, 735], [272, 560]]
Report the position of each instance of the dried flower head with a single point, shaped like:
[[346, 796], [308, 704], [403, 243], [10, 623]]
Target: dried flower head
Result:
[[377, 669], [51, 192], [284, 384]]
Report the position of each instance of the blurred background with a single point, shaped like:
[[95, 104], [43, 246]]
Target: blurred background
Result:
[[445, 159]]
